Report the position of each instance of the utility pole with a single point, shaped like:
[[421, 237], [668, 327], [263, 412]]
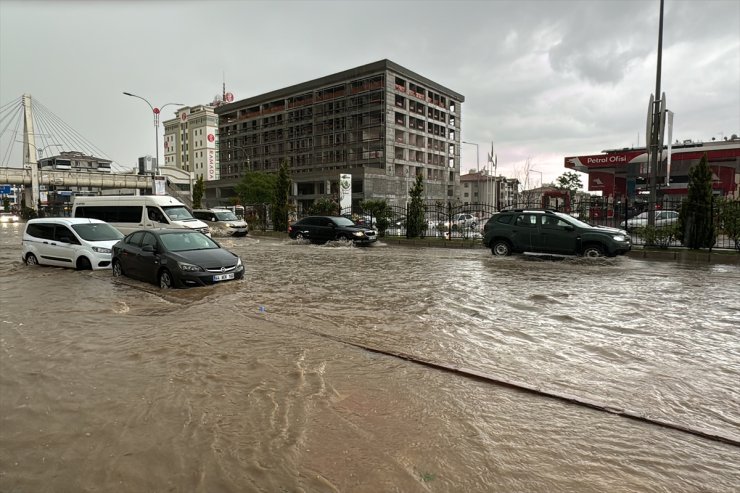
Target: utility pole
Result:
[[656, 127]]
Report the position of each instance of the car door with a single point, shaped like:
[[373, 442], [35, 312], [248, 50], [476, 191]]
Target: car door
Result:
[[147, 259], [523, 232], [325, 229], [557, 236], [129, 252], [39, 238], [63, 247]]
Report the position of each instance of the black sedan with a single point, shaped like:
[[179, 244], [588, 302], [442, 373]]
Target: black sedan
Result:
[[174, 258], [320, 229]]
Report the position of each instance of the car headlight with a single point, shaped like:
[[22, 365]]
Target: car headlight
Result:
[[238, 262], [619, 238], [359, 234], [101, 250], [189, 267]]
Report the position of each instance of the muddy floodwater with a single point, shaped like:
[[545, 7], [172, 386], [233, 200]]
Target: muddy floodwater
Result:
[[265, 385]]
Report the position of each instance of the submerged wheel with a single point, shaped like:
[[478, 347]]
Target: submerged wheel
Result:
[[83, 263], [299, 236], [117, 269], [593, 251], [31, 259], [165, 279], [501, 248]]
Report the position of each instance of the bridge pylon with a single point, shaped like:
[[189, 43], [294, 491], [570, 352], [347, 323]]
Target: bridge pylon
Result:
[[30, 161]]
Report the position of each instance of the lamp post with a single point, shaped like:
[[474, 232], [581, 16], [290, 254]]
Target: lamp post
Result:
[[155, 111], [540, 172], [477, 160], [477, 167]]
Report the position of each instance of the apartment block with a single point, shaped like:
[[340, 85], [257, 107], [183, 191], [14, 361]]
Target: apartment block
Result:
[[190, 142], [380, 122]]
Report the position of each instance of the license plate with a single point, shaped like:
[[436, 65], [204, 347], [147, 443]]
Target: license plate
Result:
[[223, 277]]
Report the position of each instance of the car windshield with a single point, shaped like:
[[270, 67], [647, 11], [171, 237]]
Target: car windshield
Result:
[[226, 216], [177, 213], [343, 221], [187, 240], [97, 232]]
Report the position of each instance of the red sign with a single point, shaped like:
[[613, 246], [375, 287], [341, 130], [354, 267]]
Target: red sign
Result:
[[211, 138], [616, 160]]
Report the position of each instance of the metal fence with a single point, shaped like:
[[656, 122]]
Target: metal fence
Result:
[[452, 220], [456, 221]]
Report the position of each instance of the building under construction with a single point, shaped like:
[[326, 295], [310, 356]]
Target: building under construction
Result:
[[381, 123]]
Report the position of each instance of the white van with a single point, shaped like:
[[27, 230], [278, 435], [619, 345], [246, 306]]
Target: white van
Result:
[[69, 242], [129, 213]]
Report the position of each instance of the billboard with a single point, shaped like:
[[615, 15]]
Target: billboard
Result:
[[345, 192]]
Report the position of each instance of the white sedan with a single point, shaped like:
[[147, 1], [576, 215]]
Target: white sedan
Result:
[[662, 218]]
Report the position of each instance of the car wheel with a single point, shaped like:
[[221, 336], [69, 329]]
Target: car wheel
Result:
[[299, 236], [501, 248], [593, 251], [83, 263], [31, 259], [117, 269], [165, 279]]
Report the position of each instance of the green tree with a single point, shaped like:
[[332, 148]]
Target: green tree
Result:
[[281, 199], [728, 219], [380, 211], [198, 190], [695, 226], [571, 181], [415, 222], [256, 188], [324, 206]]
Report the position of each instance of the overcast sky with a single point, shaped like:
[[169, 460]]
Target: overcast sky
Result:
[[542, 80]]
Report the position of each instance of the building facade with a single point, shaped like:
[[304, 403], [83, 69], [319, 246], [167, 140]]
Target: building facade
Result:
[[625, 173], [190, 142], [481, 187], [380, 123]]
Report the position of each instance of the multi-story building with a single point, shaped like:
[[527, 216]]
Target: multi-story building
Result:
[[481, 187], [58, 196], [381, 123], [190, 142]]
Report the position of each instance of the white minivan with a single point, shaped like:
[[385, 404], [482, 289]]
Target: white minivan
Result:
[[69, 242], [129, 213]]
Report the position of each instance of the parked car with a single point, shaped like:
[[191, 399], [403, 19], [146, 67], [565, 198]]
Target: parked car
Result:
[[550, 232], [9, 217], [174, 258], [320, 229], [222, 222], [464, 221], [69, 242], [662, 218]]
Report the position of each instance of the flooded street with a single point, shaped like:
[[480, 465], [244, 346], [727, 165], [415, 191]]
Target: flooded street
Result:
[[262, 385]]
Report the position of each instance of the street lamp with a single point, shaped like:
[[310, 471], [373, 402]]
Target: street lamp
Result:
[[155, 111], [540, 172], [40, 152], [477, 161]]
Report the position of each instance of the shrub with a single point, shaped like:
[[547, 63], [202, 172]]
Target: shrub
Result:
[[654, 236]]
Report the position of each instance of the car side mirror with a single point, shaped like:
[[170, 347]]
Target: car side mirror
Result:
[[148, 249], [65, 239], [569, 228]]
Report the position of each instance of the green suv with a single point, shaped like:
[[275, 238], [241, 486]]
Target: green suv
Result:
[[549, 232]]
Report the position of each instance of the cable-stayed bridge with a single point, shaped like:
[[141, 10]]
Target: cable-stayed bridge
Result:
[[28, 129]]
